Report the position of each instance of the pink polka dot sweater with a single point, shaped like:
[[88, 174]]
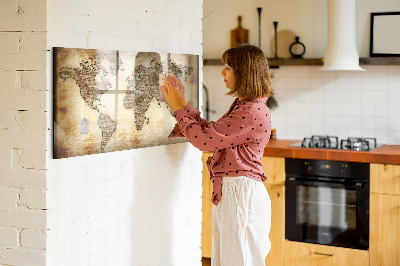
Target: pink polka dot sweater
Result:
[[238, 139]]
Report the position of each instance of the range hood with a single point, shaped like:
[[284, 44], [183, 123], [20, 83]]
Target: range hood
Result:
[[341, 51]]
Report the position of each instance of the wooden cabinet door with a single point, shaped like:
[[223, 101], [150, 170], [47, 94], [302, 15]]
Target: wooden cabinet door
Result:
[[206, 226], [277, 233], [385, 178], [384, 236], [274, 168], [305, 254]]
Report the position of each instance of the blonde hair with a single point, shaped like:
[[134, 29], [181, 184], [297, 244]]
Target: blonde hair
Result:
[[250, 66]]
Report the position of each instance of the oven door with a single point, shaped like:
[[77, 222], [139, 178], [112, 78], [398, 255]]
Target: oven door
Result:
[[327, 213]]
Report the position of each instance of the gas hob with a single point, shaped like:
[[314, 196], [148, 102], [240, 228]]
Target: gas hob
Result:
[[332, 142]]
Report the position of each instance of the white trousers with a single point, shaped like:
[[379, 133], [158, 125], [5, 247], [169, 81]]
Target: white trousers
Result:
[[241, 223]]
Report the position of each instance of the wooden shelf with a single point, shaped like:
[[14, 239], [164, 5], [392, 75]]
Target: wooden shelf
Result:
[[380, 61], [273, 63], [212, 62]]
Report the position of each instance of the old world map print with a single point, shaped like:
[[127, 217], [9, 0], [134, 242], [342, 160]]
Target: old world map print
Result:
[[108, 100]]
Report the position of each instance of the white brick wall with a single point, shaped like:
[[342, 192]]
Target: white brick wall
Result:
[[23, 178], [24, 256], [9, 237], [8, 197], [135, 207], [33, 239], [100, 206], [23, 132]]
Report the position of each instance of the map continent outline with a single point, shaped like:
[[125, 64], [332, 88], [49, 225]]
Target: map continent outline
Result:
[[117, 95]]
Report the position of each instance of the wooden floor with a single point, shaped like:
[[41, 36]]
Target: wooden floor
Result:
[[206, 261]]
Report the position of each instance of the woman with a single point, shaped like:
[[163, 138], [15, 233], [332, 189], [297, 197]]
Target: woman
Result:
[[242, 208]]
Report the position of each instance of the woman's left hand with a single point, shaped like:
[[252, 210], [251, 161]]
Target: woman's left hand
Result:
[[170, 90]]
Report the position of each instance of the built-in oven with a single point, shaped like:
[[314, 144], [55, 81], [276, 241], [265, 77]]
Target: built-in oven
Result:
[[327, 202]]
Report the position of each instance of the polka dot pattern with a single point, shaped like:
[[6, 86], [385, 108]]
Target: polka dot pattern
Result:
[[238, 139]]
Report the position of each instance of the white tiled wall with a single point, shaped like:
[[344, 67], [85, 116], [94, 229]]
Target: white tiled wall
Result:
[[312, 102]]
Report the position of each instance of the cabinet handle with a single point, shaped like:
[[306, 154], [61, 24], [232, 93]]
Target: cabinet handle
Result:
[[324, 254]]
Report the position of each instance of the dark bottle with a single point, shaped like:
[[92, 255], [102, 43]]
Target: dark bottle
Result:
[[297, 49]]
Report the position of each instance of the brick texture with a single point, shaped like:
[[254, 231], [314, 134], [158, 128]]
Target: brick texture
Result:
[[92, 196], [9, 237], [23, 218], [23, 128], [104, 196], [8, 197], [9, 42], [24, 22], [33, 239], [23, 178], [17, 256], [7, 81], [33, 199]]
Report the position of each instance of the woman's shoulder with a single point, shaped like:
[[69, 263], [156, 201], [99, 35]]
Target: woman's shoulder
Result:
[[255, 104], [257, 110], [260, 110]]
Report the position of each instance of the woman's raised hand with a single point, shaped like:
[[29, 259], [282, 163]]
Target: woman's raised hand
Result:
[[181, 93], [173, 93]]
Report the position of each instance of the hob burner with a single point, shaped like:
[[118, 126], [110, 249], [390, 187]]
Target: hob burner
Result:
[[358, 144], [328, 142], [332, 142]]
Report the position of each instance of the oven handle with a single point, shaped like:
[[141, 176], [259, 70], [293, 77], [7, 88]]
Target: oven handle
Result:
[[357, 185]]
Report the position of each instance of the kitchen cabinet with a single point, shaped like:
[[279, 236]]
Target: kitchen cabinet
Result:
[[385, 214], [385, 178], [385, 230], [384, 245], [305, 254], [274, 168], [277, 233], [384, 221], [206, 225]]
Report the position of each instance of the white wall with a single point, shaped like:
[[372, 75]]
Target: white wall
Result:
[[305, 18], [311, 102], [23, 133], [135, 207], [345, 103]]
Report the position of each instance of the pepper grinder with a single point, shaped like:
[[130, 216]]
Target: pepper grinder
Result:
[[276, 38]]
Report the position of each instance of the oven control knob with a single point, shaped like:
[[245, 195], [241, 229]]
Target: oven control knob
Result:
[[308, 166], [343, 168]]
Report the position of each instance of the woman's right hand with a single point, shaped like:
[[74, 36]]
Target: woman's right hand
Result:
[[181, 91]]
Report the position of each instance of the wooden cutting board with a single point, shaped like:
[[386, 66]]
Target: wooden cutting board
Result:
[[239, 35]]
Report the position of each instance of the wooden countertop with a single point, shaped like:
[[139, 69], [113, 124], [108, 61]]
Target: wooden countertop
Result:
[[389, 154]]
